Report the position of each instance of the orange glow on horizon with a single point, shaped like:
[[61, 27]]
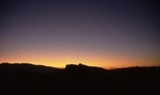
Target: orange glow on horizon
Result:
[[60, 61]]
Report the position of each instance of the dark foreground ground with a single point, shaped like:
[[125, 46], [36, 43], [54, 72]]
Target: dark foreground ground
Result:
[[27, 79]]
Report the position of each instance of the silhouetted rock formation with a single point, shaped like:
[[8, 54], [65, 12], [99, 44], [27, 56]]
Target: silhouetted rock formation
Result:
[[81, 67], [78, 79]]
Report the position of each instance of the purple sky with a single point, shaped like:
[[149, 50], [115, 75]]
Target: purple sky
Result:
[[87, 31]]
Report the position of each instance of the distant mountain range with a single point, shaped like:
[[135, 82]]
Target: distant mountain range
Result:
[[31, 68], [28, 67], [77, 79]]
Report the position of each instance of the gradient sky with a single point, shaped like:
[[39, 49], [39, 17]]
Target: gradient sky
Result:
[[105, 33]]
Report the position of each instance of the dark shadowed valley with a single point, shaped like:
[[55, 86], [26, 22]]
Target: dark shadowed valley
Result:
[[20, 79]]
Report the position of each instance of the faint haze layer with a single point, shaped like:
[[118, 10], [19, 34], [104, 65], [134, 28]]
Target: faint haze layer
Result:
[[106, 33]]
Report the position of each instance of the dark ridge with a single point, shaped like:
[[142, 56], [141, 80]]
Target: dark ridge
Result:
[[77, 79], [25, 67]]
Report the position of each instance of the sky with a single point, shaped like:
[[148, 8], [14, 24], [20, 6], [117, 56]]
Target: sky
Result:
[[104, 33]]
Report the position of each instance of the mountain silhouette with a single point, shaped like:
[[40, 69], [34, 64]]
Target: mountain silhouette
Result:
[[26, 67], [82, 68], [77, 79]]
